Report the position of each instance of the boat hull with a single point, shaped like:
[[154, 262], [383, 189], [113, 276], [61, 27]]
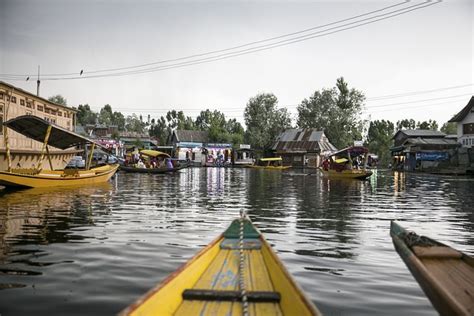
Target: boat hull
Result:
[[445, 274], [270, 167], [55, 178], [150, 170], [347, 174], [215, 270]]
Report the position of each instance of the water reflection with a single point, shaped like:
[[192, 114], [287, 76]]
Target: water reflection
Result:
[[119, 239]]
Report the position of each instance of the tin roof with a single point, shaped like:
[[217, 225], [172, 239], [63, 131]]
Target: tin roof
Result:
[[432, 141], [420, 133], [465, 111], [191, 136], [303, 140]]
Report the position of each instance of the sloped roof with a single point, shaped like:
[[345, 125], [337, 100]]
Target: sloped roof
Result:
[[192, 136], [432, 141], [303, 140], [465, 111], [420, 133]]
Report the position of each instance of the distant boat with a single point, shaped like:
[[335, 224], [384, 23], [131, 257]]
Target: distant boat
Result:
[[211, 282], [274, 163], [446, 275], [348, 163], [147, 169], [50, 134]]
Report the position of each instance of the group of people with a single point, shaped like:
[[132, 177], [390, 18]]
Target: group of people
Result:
[[138, 161]]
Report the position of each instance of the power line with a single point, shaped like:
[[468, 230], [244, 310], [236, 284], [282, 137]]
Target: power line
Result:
[[266, 46], [399, 95], [416, 101]]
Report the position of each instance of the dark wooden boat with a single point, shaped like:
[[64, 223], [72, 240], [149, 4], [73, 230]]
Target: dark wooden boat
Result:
[[152, 170], [446, 275]]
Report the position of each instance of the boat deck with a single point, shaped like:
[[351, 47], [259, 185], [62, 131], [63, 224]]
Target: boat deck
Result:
[[223, 274]]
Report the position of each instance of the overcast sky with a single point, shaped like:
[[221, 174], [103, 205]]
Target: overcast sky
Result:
[[426, 49]]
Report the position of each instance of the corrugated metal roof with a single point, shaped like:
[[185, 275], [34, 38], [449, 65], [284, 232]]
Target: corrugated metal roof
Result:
[[192, 136], [422, 133], [303, 140], [465, 111], [432, 141]]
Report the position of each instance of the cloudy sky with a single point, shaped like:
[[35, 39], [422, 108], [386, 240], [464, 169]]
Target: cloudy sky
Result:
[[411, 59]]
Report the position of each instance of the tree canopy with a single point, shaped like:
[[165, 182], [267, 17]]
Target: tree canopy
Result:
[[58, 99], [337, 111], [379, 139]]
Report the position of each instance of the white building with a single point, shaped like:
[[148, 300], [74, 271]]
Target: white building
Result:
[[465, 122]]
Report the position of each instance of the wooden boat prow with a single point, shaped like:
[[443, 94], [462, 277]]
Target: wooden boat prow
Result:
[[208, 284], [446, 275]]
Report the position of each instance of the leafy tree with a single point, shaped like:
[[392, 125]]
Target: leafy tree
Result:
[[119, 120], [220, 130], [337, 111], [58, 99], [449, 128], [264, 121], [379, 139], [134, 124], [177, 120], [106, 115], [433, 125], [406, 124], [85, 115], [160, 129]]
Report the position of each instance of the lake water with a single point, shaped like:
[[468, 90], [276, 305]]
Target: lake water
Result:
[[94, 250]]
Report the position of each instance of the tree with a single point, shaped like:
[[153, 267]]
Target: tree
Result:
[[134, 124], [337, 111], [433, 125], [406, 124], [85, 115], [177, 120], [449, 128], [106, 115], [379, 139], [159, 129], [58, 99], [220, 130], [264, 121]]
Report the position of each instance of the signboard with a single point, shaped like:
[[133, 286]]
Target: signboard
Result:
[[244, 146], [432, 156], [219, 145], [188, 144], [358, 143]]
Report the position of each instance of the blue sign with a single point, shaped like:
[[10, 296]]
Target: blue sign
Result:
[[188, 144], [432, 156]]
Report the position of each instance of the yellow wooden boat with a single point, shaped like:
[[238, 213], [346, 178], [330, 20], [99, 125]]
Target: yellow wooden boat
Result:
[[50, 134], [446, 275], [228, 277], [348, 163], [274, 163]]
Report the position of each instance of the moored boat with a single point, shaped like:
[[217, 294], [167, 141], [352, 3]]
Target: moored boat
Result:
[[236, 274], [152, 170], [154, 162], [445, 274], [273, 163], [50, 134], [349, 163]]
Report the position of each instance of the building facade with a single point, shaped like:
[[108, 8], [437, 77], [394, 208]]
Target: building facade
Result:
[[302, 147], [465, 125], [189, 145], [25, 152]]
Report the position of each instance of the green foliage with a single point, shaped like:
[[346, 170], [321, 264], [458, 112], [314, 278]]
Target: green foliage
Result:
[[406, 124], [337, 111], [379, 139], [134, 124], [58, 99], [85, 115], [264, 121], [449, 128], [160, 129], [220, 130], [108, 118], [433, 125]]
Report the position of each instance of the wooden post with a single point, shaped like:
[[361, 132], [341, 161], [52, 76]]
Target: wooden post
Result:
[[89, 161], [49, 157], [45, 146]]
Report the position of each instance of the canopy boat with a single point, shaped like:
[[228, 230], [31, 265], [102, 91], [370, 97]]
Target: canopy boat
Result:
[[165, 164], [236, 274], [50, 134], [446, 275], [350, 163], [274, 163]]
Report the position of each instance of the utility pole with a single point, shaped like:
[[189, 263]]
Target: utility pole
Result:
[[38, 83]]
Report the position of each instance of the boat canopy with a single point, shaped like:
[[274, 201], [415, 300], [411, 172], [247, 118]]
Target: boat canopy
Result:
[[353, 151], [153, 153], [271, 159], [36, 128], [341, 160]]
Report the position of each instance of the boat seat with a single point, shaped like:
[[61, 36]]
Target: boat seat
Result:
[[26, 171], [438, 252], [222, 295]]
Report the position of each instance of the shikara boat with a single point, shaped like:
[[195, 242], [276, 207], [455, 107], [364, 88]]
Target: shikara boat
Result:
[[50, 134], [146, 153], [152, 170], [348, 163], [446, 275], [274, 163], [211, 283]]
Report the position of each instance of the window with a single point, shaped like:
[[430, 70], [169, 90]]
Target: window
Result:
[[40, 108], [60, 113], [22, 102], [1, 108], [1, 95], [46, 110], [1, 124], [13, 99], [468, 128]]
